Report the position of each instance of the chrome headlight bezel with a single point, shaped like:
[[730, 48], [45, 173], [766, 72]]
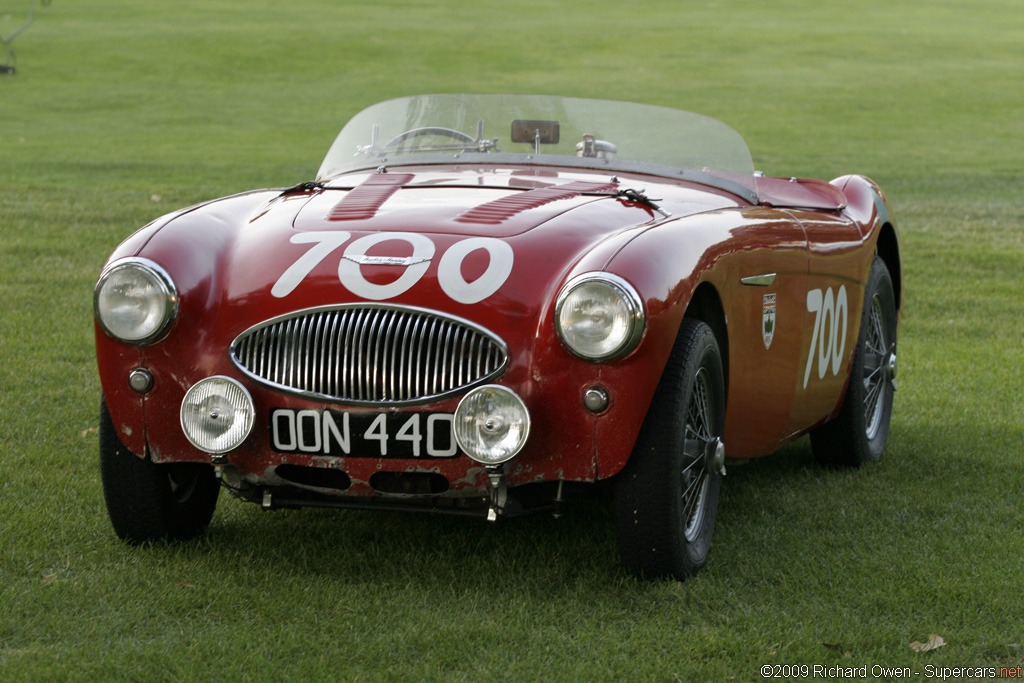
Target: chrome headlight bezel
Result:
[[623, 338], [158, 309]]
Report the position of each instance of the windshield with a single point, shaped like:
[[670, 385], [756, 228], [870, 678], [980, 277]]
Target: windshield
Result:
[[546, 131]]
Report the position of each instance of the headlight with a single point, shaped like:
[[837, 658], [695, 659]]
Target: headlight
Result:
[[491, 424], [599, 316], [135, 301], [217, 414]]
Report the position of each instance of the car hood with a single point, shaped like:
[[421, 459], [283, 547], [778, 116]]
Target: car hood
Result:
[[492, 247]]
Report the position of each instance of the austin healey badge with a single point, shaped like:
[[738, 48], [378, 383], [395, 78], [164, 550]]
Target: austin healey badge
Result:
[[768, 320]]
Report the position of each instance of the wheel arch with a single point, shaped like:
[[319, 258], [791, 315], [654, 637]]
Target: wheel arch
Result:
[[888, 250], [706, 306], [868, 205]]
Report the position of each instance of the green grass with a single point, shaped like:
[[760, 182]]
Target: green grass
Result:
[[121, 111]]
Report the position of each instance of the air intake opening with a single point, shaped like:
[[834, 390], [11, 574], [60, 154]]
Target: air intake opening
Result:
[[319, 477], [409, 483]]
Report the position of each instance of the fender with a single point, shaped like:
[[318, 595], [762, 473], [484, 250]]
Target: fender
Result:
[[667, 263], [870, 207]]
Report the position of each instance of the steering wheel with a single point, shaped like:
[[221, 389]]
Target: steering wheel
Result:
[[429, 130]]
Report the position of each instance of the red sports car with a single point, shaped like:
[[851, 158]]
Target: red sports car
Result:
[[482, 297]]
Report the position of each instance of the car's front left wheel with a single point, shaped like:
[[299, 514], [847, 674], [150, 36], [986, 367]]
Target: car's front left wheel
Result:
[[151, 502], [858, 433], [666, 498]]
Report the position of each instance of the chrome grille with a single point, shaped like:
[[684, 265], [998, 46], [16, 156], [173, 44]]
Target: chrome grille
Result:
[[372, 355]]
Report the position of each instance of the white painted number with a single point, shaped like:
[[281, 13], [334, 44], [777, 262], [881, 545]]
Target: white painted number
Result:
[[415, 267], [831, 312], [449, 269], [326, 242]]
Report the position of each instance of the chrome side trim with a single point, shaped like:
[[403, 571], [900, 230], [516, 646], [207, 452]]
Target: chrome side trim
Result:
[[759, 280]]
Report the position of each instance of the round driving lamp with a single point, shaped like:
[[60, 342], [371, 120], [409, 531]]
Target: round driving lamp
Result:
[[135, 301], [217, 414], [599, 316], [491, 424]]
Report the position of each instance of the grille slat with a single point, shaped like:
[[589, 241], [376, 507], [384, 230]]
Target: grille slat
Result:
[[331, 355], [374, 355]]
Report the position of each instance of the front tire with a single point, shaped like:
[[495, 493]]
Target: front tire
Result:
[[150, 502], [858, 434], [666, 498]]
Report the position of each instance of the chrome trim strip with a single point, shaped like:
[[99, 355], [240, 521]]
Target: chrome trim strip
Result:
[[759, 280]]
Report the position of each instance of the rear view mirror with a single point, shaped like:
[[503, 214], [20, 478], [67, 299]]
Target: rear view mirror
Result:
[[536, 132]]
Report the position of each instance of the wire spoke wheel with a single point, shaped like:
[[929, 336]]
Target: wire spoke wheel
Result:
[[695, 476], [666, 498], [875, 367], [859, 432]]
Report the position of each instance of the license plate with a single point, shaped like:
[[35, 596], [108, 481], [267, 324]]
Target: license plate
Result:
[[363, 435]]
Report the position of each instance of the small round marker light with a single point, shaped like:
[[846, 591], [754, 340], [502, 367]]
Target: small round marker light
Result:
[[140, 380], [595, 399]]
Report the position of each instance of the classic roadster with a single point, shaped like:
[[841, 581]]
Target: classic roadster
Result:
[[481, 298]]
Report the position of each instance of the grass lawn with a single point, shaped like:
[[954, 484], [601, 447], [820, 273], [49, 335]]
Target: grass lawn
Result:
[[121, 111]]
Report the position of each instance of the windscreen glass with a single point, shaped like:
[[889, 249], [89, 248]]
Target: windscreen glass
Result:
[[542, 130]]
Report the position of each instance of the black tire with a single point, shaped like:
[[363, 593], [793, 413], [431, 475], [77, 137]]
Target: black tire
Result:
[[666, 498], [150, 502], [858, 434]]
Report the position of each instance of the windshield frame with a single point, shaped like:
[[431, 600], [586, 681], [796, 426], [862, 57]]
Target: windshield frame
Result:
[[681, 138]]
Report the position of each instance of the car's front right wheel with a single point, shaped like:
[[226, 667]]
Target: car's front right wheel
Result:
[[151, 502], [666, 498]]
